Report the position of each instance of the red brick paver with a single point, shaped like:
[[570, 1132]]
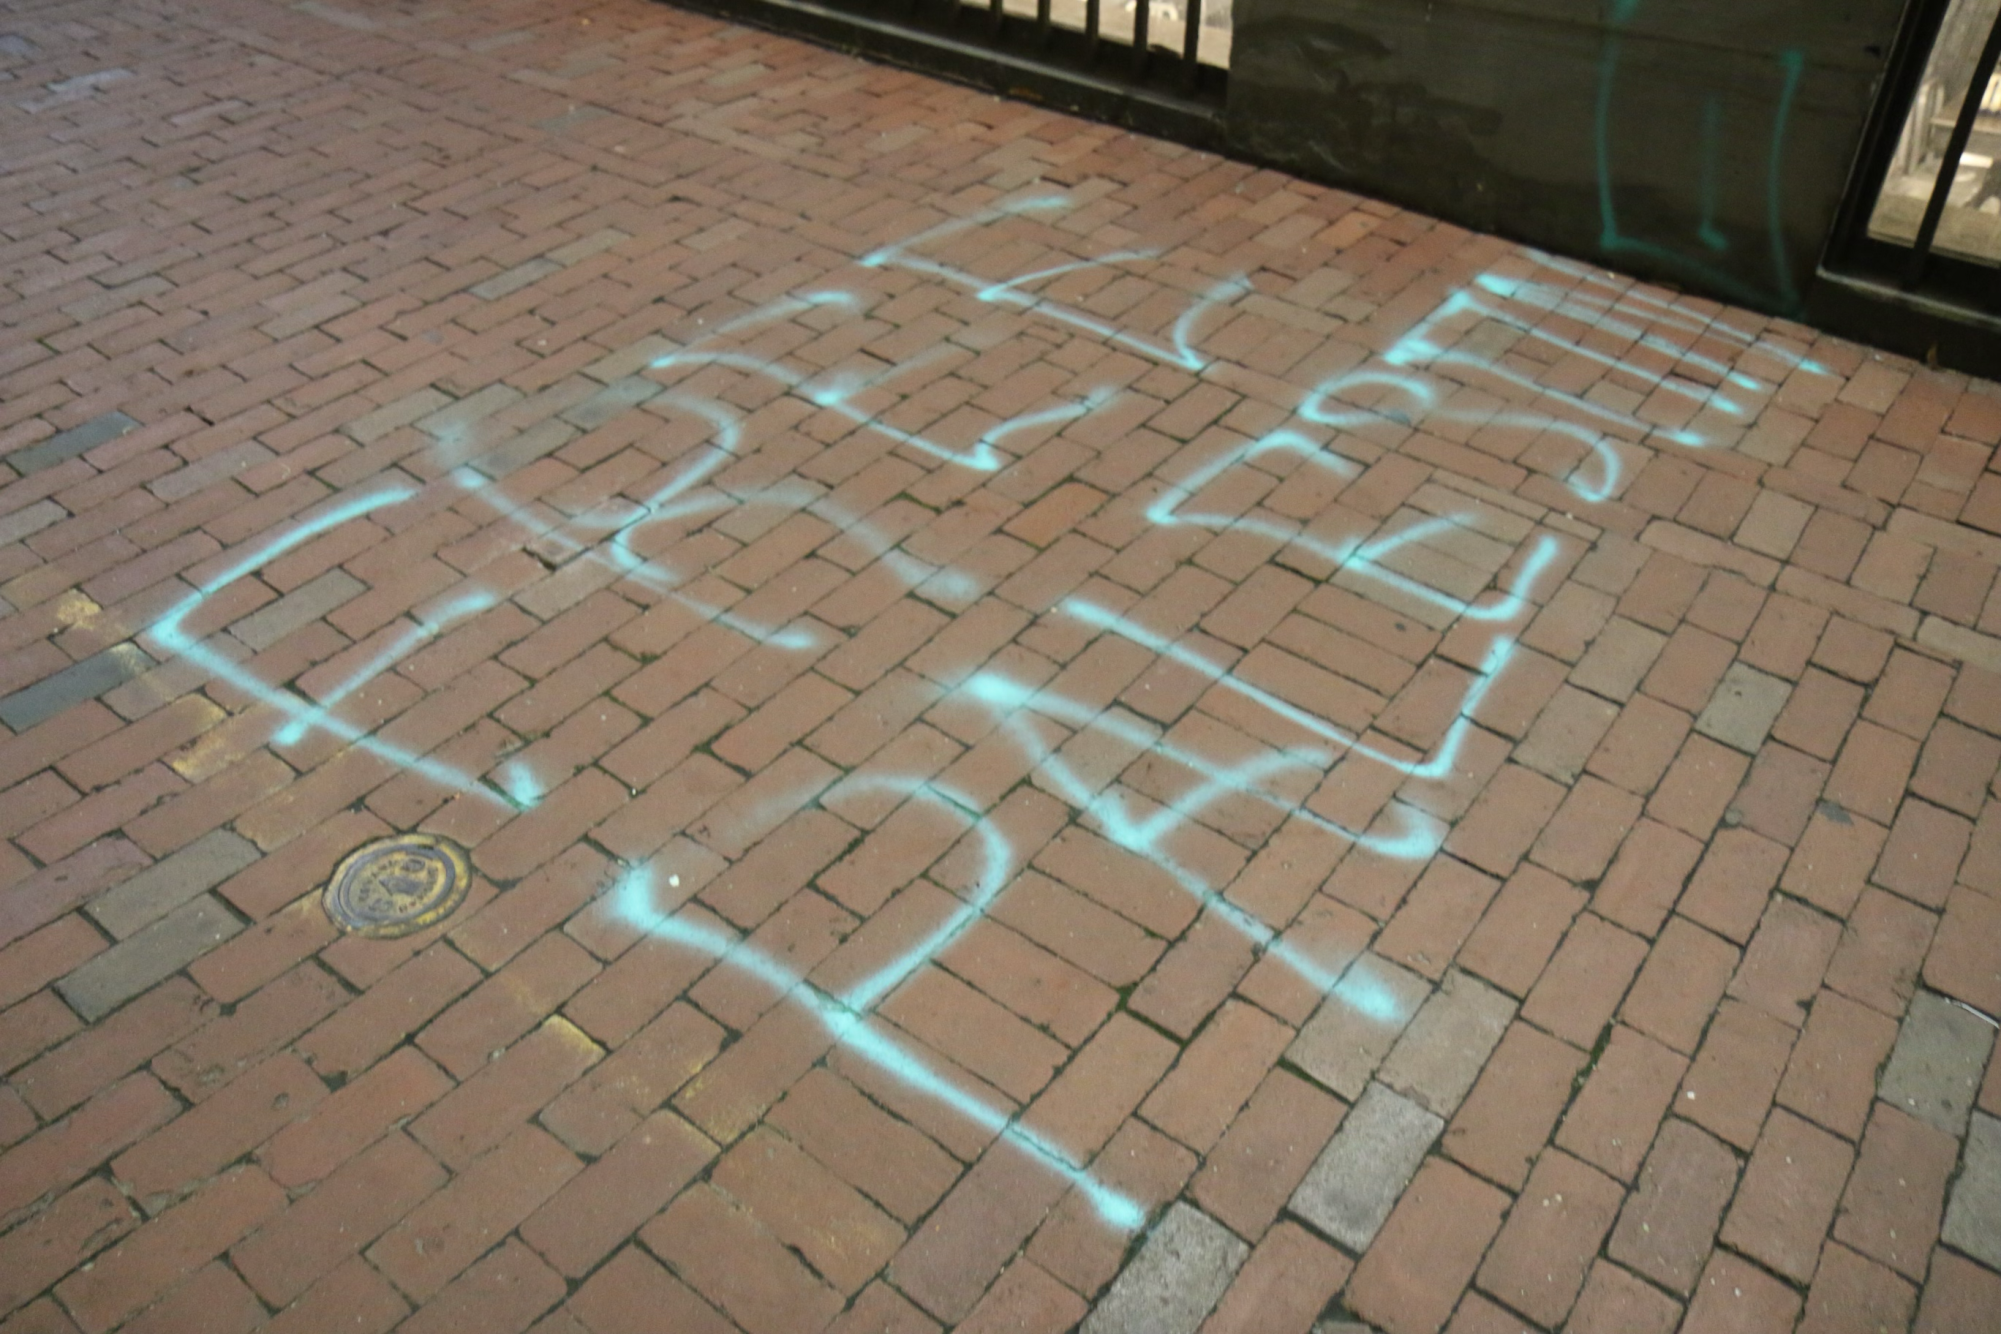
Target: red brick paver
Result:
[[1054, 731]]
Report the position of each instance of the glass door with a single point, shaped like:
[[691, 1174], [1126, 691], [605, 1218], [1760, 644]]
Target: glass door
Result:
[[1927, 215]]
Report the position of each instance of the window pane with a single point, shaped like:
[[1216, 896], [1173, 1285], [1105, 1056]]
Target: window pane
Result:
[[1971, 227]]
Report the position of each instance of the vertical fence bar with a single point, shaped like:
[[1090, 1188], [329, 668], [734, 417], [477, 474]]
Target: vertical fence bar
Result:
[[1142, 14], [1948, 171], [1042, 22], [1091, 28], [1191, 38]]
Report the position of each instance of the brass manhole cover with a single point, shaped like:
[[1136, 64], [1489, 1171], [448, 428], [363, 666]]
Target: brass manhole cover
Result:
[[397, 885]]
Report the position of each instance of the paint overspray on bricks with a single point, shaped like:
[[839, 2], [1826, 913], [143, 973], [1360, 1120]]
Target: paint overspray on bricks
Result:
[[1418, 381]]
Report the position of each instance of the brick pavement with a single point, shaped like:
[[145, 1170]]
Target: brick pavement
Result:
[[1055, 732]]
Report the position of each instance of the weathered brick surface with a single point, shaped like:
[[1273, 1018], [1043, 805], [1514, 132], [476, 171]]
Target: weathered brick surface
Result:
[[1055, 732]]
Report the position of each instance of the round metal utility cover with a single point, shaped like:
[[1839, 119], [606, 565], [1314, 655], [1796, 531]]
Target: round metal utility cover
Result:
[[397, 885]]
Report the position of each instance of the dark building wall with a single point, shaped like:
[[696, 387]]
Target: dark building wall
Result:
[[1703, 141]]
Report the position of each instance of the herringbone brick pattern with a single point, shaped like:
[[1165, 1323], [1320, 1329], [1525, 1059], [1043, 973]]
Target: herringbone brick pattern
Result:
[[1054, 731]]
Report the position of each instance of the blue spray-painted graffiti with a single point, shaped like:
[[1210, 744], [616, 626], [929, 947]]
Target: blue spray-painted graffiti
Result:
[[847, 1016], [1616, 239], [1416, 383]]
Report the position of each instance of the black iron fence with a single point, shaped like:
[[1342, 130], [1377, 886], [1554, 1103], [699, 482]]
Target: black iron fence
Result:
[[1157, 65]]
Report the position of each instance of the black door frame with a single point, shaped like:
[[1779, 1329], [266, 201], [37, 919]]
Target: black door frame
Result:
[[1918, 280]]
